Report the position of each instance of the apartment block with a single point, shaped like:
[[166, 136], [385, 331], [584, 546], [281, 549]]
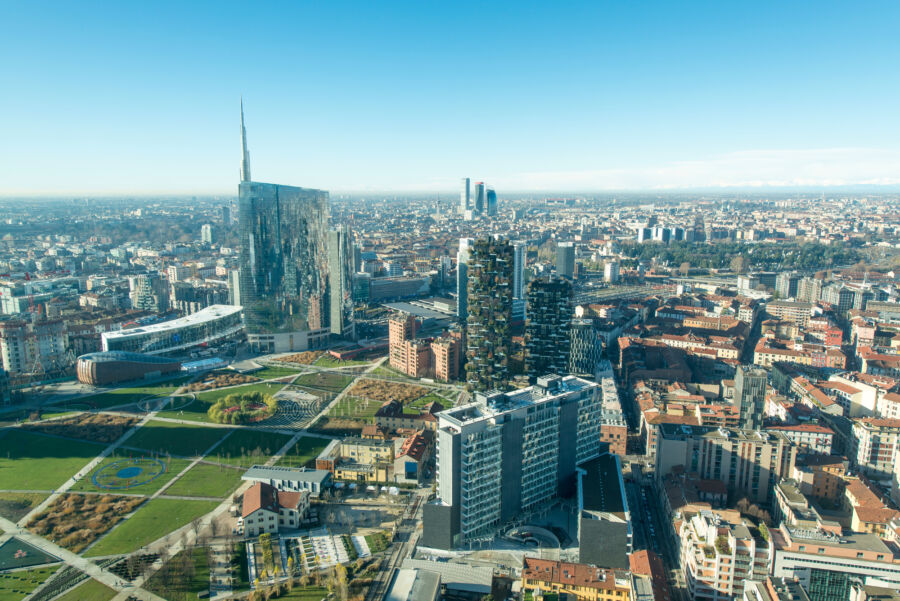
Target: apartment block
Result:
[[874, 446], [509, 453], [582, 581], [718, 556], [748, 462]]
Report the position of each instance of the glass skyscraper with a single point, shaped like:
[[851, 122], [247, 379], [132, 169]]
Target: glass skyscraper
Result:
[[284, 270], [283, 262], [340, 280]]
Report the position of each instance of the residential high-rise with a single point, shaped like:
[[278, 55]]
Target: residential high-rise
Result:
[[206, 233], [749, 462], [809, 290], [611, 272], [36, 348], [711, 550], [340, 281], [519, 250], [462, 278], [489, 308], [465, 196], [149, 291], [491, 202], [479, 198], [547, 329], [234, 287], [585, 348], [507, 454], [750, 395], [283, 262], [225, 211], [565, 259], [787, 284]]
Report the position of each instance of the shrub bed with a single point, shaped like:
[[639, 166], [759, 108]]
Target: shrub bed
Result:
[[75, 521], [243, 408], [87, 426], [220, 380], [380, 390]]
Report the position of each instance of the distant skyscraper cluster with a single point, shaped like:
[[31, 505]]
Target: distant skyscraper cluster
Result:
[[482, 202]]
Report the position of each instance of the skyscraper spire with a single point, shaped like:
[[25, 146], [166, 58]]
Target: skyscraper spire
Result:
[[245, 154]]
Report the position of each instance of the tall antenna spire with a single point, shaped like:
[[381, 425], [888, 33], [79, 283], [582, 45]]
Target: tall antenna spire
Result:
[[245, 154]]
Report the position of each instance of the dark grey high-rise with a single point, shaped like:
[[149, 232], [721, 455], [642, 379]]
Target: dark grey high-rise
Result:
[[547, 328], [750, 395], [565, 260], [340, 274], [283, 260]]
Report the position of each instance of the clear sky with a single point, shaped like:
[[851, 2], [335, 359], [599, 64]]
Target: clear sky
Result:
[[143, 97]]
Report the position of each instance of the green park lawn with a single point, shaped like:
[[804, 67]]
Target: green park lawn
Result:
[[305, 593], [270, 372], [246, 447], [16, 505], [322, 380], [126, 396], [32, 461], [176, 439], [92, 590], [206, 480], [184, 408], [173, 468], [153, 520], [172, 583], [327, 360], [306, 449], [388, 371], [211, 396], [17, 585], [353, 407]]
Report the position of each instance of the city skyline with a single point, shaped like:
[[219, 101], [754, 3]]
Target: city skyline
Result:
[[588, 98]]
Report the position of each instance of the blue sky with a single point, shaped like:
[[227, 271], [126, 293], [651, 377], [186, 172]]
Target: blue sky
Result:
[[105, 98]]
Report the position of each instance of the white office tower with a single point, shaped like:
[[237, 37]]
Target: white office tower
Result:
[[206, 234], [611, 272], [462, 277], [519, 301], [508, 454]]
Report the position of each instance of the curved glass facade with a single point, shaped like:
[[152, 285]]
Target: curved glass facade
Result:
[[211, 325], [283, 257]]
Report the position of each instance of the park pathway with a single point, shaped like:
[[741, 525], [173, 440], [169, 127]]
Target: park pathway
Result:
[[85, 565], [189, 533], [84, 471]]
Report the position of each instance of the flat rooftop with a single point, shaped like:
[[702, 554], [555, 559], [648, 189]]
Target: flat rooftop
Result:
[[275, 472], [497, 403], [210, 313], [601, 485]]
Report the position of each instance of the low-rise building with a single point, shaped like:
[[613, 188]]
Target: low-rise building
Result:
[[826, 563], [266, 509], [869, 511], [582, 581], [290, 479]]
